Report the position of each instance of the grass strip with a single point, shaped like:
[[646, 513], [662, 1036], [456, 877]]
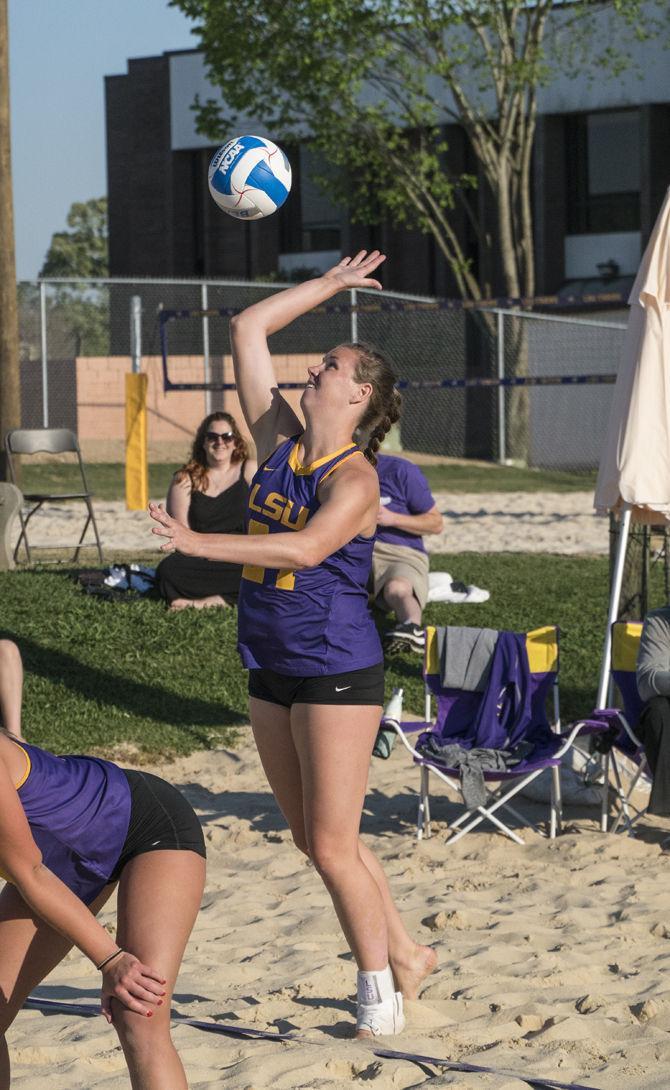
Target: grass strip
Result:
[[130, 677], [107, 479]]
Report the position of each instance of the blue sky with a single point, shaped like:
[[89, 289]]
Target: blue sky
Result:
[[60, 52]]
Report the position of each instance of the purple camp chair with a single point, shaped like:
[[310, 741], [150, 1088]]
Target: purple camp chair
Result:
[[624, 760], [458, 720]]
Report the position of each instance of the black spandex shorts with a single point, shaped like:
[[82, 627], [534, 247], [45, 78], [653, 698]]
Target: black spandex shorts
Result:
[[355, 687], [160, 819]]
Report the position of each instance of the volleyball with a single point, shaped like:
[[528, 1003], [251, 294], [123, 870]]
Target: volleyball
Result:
[[249, 177]]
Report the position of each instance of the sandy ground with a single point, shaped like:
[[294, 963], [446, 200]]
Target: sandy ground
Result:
[[473, 522], [554, 957]]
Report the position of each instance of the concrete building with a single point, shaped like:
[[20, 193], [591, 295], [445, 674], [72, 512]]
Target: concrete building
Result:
[[601, 167]]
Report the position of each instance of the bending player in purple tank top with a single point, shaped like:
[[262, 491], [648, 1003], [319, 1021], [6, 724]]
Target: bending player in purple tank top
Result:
[[305, 629], [70, 829]]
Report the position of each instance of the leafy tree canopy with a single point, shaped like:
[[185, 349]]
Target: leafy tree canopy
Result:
[[82, 250], [372, 83]]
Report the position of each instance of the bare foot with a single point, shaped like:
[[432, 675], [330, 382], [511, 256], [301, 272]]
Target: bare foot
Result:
[[198, 603], [410, 974]]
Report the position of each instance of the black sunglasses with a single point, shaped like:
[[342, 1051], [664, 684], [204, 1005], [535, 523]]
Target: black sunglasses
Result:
[[219, 437]]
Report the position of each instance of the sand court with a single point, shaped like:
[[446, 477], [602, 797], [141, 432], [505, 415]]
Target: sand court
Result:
[[554, 957], [535, 522]]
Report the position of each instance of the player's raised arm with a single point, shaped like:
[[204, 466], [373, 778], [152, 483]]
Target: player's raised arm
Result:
[[269, 417]]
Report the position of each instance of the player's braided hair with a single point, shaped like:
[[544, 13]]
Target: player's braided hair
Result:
[[383, 408]]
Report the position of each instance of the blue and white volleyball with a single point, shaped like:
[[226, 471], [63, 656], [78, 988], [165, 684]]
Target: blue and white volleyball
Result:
[[249, 177]]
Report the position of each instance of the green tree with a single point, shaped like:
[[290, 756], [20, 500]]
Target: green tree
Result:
[[81, 251], [374, 82], [79, 313]]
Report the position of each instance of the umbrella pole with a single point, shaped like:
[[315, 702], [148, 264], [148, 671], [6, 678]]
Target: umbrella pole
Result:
[[615, 596]]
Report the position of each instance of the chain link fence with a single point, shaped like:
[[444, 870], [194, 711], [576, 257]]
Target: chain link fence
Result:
[[559, 425], [77, 343]]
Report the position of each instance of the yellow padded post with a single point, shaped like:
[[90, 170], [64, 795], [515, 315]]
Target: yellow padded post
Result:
[[137, 467]]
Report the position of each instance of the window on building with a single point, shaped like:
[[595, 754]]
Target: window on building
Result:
[[321, 218], [603, 172]]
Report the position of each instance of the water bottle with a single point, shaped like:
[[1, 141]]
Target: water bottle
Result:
[[387, 734]]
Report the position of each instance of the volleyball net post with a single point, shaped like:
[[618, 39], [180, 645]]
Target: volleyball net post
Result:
[[137, 453]]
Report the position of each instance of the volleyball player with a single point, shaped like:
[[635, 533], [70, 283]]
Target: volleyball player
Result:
[[70, 829], [306, 634]]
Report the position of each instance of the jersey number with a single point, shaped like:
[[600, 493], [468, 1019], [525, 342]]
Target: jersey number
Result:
[[285, 579]]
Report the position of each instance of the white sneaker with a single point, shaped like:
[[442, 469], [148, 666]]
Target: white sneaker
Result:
[[380, 1019]]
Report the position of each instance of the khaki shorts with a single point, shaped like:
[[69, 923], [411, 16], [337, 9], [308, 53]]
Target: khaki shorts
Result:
[[399, 562]]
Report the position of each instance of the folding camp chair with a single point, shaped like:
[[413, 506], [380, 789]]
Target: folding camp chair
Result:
[[624, 759], [455, 721], [49, 441]]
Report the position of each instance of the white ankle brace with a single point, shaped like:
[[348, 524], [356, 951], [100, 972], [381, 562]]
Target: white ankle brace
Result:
[[375, 986]]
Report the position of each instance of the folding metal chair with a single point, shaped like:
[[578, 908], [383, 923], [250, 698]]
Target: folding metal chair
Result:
[[623, 757], [28, 441], [455, 721]]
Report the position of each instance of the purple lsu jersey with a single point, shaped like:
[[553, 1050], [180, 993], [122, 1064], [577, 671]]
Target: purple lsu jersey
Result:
[[315, 621], [78, 809]]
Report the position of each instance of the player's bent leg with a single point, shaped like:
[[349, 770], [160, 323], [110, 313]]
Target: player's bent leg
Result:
[[29, 950], [271, 725], [159, 898], [411, 963], [334, 744]]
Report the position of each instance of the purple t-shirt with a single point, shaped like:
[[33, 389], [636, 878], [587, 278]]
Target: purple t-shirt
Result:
[[403, 489]]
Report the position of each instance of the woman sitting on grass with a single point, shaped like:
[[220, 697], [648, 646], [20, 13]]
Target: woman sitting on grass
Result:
[[209, 495], [70, 829]]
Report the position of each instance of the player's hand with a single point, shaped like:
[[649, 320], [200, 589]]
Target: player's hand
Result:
[[178, 537], [138, 987], [354, 272]]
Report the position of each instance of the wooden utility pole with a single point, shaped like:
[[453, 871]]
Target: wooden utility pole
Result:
[[10, 384]]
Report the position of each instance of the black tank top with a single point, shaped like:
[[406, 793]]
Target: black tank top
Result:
[[222, 514]]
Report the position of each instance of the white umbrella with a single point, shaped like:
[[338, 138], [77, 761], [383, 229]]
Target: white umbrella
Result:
[[634, 474]]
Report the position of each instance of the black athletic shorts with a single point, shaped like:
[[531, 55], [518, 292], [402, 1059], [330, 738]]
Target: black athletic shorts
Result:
[[160, 819], [354, 687]]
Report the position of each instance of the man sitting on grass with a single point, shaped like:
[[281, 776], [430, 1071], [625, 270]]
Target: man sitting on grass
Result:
[[407, 511]]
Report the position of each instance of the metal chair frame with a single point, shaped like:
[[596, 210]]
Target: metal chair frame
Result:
[[496, 799], [619, 783], [28, 441]]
